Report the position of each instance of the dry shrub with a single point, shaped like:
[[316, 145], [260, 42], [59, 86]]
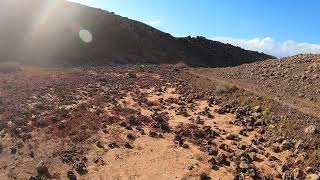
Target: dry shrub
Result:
[[225, 88]]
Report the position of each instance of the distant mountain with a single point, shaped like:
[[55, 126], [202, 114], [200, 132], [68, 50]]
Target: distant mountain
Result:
[[46, 32]]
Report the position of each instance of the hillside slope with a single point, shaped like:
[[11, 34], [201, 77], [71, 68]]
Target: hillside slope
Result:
[[47, 33], [292, 82]]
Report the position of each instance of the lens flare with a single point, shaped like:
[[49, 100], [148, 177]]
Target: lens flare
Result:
[[85, 36]]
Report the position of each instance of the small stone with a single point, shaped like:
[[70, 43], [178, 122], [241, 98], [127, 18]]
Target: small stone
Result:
[[31, 154], [210, 116], [232, 137], [132, 75], [222, 159], [310, 169], [204, 176], [185, 146], [99, 144], [131, 137], [213, 151], [276, 148], [212, 162], [257, 109], [241, 146], [287, 144], [225, 147], [299, 145], [128, 146], [61, 125], [42, 168], [32, 178], [13, 150], [190, 167], [273, 158], [81, 168], [113, 145], [253, 156], [260, 122], [310, 130], [71, 175], [313, 177]]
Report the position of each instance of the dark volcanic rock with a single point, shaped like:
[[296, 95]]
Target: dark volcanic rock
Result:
[[71, 175], [42, 168], [81, 168]]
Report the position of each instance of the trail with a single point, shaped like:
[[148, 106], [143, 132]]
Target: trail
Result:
[[303, 106]]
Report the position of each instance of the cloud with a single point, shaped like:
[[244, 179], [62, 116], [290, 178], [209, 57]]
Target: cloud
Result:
[[271, 46], [155, 22]]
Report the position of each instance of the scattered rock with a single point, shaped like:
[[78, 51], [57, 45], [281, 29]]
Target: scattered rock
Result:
[[222, 159], [204, 176], [99, 144], [185, 146], [310, 169], [232, 137], [81, 168], [42, 169], [61, 125], [273, 158], [33, 178], [128, 146], [13, 150], [113, 145], [131, 137], [311, 130], [287, 144], [71, 175], [212, 163], [132, 75], [213, 151], [313, 177]]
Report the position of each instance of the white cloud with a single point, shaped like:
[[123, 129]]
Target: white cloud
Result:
[[155, 22], [271, 46]]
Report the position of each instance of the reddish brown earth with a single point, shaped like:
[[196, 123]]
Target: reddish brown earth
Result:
[[137, 122]]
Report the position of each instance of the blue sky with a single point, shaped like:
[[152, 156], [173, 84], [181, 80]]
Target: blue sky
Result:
[[278, 27]]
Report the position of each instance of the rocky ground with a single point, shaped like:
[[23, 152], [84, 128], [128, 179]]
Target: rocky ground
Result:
[[294, 80], [141, 122]]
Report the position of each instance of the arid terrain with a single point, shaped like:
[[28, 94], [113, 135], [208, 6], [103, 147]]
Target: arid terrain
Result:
[[142, 122], [87, 94], [291, 80]]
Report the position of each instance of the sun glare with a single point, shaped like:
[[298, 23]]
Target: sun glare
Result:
[[85, 36]]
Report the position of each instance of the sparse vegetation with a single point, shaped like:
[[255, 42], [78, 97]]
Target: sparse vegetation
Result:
[[9, 67], [88, 115]]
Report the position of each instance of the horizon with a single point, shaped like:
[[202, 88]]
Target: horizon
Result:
[[278, 30]]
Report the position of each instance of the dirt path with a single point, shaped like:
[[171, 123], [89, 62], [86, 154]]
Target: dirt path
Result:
[[304, 106]]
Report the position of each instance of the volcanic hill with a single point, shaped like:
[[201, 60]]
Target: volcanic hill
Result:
[[44, 32]]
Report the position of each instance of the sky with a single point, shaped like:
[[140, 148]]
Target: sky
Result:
[[277, 27]]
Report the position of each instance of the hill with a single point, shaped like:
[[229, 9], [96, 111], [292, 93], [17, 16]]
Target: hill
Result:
[[291, 86], [47, 33]]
